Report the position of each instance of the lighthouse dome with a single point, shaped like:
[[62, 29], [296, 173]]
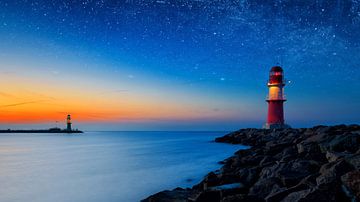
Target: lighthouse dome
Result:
[[276, 69]]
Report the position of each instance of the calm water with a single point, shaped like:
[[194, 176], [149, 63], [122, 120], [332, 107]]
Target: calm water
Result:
[[104, 166]]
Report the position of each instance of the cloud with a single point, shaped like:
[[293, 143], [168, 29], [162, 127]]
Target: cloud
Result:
[[3, 94], [23, 103], [113, 91]]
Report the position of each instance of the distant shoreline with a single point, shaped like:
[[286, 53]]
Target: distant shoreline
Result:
[[52, 130]]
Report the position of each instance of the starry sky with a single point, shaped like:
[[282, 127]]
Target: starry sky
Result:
[[176, 64]]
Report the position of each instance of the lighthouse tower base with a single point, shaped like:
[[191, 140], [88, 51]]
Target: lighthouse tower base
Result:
[[275, 126]]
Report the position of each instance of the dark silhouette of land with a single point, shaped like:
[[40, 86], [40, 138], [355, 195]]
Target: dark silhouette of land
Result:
[[306, 164], [51, 130]]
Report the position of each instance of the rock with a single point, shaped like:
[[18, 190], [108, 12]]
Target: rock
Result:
[[248, 176], [176, 195], [209, 196], [354, 160], [296, 196], [346, 142], [294, 171], [267, 160], [264, 187], [278, 196], [288, 154], [273, 148], [331, 172], [321, 129], [242, 198], [309, 164], [290, 173], [334, 156], [311, 150], [210, 180], [323, 193], [351, 181]]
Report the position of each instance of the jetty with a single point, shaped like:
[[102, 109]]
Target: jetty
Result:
[[50, 130]]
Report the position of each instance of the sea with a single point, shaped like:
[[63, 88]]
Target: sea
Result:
[[105, 166]]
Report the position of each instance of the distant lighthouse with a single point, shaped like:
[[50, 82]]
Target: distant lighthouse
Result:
[[276, 99], [68, 123]]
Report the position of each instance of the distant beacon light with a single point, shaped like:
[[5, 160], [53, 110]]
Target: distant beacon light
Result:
[[68, 123], [276, 99]]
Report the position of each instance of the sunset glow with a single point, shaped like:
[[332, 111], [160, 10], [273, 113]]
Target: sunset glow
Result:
[[147, 73]]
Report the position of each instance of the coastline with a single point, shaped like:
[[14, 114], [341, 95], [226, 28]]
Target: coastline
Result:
[[41, 131], [307, 164]]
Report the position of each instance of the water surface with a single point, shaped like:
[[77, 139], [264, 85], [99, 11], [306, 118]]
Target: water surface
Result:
[[104, 166]]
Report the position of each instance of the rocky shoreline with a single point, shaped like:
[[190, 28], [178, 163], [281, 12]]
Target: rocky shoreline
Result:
[[307, 164]]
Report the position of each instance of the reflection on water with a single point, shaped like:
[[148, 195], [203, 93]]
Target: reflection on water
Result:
[[104, 166]]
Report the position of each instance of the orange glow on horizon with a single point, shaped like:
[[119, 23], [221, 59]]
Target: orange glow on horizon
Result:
[[34, 100]]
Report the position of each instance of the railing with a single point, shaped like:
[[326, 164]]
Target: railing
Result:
[[283, 81], [283, 97]]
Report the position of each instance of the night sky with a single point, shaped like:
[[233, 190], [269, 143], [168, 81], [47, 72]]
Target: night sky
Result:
[[177, 64]]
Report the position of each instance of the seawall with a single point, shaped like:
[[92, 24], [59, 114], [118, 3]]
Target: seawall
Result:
[[307, 164]]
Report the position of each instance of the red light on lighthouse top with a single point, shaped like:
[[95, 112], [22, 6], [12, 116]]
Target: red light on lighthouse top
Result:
[[276, 76]]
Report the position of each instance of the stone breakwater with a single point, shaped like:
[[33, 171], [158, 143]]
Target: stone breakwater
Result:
[[308, 164]]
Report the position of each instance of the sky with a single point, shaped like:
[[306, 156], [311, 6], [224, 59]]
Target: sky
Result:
[[176, 64]]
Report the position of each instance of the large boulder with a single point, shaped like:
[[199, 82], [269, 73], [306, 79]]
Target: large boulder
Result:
[[348, 142], [264, 187], [290, 173], [248, 176], [176, 195], [331, 172], [296, 170], [351, 181], [354, 160], [209, 196]]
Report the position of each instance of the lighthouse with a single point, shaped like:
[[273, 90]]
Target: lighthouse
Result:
[[276, 99], [68, 123]]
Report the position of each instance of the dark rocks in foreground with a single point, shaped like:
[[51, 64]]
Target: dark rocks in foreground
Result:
[[314, 164]]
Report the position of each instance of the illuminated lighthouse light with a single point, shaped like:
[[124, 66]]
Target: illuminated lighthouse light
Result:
[[276, 99]]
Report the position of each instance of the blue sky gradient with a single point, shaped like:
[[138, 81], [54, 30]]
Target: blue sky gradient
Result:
[[216, 54]]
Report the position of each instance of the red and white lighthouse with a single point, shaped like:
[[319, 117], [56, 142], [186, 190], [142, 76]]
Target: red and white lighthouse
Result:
[[276, 99]]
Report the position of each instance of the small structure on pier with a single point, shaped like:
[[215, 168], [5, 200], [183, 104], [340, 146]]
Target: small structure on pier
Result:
[[68, 123]]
